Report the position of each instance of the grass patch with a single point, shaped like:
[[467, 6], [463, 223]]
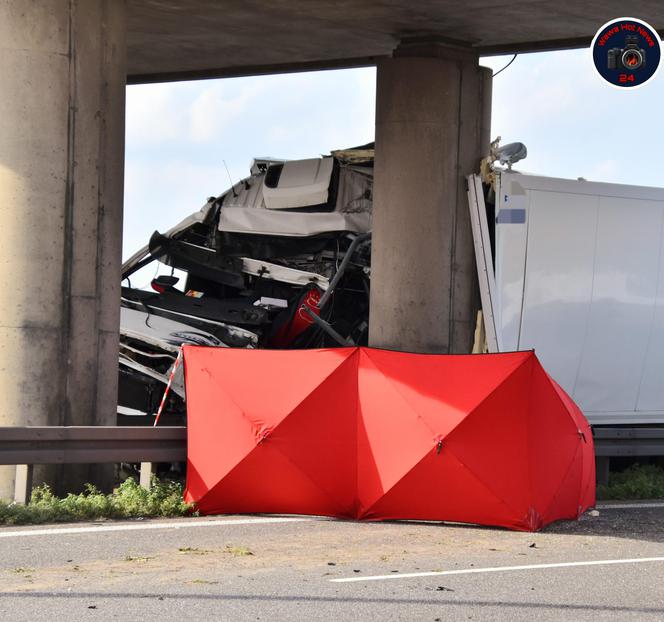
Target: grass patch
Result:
[[188, 550], [129, 500], [238, 551], [640, 481]]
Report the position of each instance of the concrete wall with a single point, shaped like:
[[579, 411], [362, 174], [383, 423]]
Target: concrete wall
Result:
[[432, 127], [62, 73]]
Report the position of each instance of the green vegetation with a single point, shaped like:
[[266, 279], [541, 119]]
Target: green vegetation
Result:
[[188, 550], [129, 500], [238, 551], [640, 481], [137, 558]]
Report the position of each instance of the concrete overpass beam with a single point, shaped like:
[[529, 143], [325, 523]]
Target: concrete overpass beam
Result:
[[433, 112], [62, 100]]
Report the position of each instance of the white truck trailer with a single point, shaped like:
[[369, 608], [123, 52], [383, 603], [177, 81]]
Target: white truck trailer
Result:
[[575, 270]]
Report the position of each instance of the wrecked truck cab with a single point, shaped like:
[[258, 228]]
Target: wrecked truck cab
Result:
[[279, 260], [149, 345]]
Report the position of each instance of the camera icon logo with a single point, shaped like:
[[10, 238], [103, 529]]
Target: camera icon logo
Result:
[[626, 52], [630, 57]]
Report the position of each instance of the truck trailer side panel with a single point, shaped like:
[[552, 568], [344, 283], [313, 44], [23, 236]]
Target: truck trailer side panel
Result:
[[579, 277]]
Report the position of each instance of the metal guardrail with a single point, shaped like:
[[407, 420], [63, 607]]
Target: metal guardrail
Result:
[[27, 446], [615, 442], [99, 444]]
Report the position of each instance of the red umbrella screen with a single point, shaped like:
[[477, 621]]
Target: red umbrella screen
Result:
[[373, 434]]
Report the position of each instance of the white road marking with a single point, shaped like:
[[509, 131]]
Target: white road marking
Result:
[[441, 573], [629, 506], [54, 531]]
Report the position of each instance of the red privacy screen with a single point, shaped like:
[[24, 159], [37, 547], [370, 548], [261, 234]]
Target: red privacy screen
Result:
[[372, 434]]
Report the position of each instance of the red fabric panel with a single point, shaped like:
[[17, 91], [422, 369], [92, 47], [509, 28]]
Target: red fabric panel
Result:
[[237, 403], [498, 425]]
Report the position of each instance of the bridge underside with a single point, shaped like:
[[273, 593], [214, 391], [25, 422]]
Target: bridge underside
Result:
[[184, 39]]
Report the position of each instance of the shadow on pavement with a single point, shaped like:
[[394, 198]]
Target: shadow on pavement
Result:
[[336, 599]]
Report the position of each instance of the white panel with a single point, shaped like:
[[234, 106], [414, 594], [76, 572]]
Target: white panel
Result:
[[247, 193], [559, 280], [581, 186], [483, 258], [275, 272], [301, 183], [510, 262], [618, 377], [622, 417], [624, 290], [294, 224], [651, 390]]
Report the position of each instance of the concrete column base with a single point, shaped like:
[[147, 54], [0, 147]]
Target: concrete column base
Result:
[[63, 73], [433, 110]]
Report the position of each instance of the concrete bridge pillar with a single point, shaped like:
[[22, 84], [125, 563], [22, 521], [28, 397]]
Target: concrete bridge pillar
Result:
[[433, 112], [62, 100]]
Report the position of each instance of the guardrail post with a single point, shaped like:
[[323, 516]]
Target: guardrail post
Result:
[[602, 464], [23, 483], [146, 475]]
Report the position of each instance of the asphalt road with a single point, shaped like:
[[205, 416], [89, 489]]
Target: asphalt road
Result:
[[226, 568]]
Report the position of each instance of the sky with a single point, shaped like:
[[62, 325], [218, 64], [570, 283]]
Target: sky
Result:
[[181, 136]]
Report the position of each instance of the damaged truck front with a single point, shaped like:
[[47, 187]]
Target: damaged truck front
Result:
[[280, 260]]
